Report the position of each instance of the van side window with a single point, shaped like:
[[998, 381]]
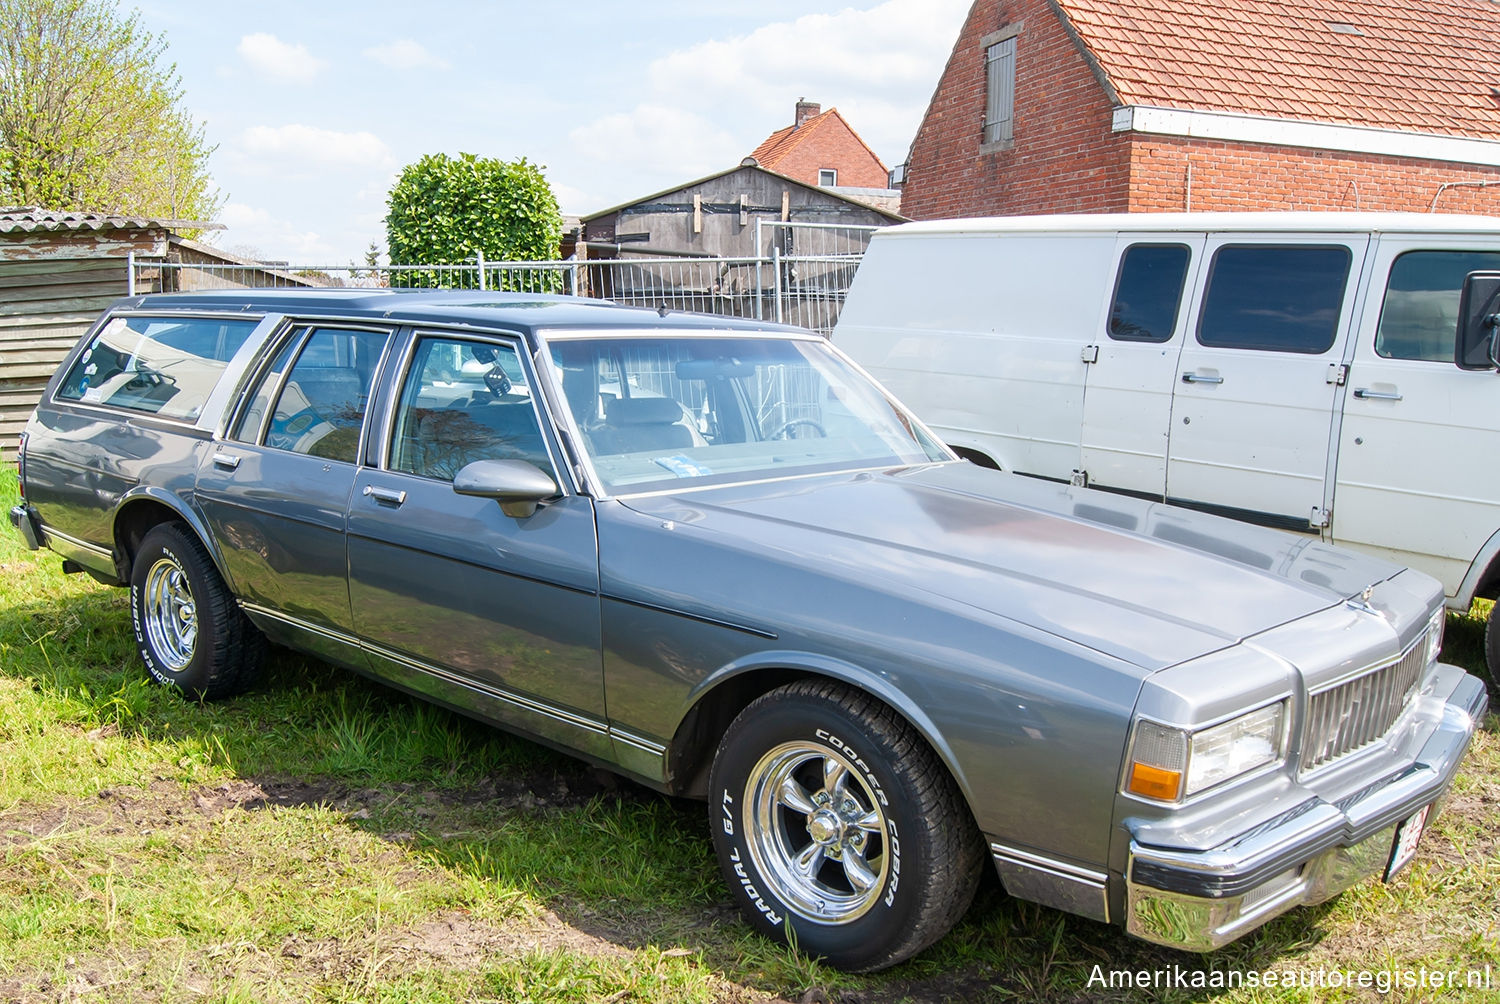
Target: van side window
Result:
[[1275, 298], [1148, 292], [166, 366], [1419, 318]]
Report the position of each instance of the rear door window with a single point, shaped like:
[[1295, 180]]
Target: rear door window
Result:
[[1275, 298], [164, 366], [320, 406], [1148, 292]]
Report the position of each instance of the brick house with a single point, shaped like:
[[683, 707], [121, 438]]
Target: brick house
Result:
[[821, 148], [1050, 106]]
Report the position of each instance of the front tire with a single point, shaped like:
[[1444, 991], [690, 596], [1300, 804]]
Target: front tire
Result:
[[189, 631], [836, 825]]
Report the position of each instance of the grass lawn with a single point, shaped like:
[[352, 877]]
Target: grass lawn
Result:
[[326, 839]]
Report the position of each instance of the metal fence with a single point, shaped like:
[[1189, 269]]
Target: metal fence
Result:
[[801, 277]]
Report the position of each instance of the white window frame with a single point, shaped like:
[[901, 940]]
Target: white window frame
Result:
[[828, 177]]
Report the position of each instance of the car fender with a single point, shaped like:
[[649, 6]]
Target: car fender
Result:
[[185, 512], [873, 683]]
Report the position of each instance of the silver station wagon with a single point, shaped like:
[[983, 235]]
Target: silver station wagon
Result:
[[714, 556]]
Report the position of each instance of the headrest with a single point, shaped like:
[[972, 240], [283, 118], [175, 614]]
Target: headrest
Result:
[[643, 411]]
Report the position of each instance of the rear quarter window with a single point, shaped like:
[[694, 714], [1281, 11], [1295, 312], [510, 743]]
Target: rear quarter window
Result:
[[164, 366]]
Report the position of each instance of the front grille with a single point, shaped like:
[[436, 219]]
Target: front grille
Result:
[[1357, 712]]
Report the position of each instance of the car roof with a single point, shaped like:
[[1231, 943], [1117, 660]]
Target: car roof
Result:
[[527, 312]]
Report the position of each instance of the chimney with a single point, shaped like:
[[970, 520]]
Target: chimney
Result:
[[807, 110]]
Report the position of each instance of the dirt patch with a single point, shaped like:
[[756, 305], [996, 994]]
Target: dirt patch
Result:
[[167, 803]]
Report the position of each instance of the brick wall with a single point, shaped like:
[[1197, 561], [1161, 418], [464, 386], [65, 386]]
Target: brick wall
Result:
[[833, 144], [1063, 154], [1245, 176], [1065, 158]]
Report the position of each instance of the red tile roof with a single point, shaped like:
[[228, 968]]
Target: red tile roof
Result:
[[776, 147], [1418, 65]]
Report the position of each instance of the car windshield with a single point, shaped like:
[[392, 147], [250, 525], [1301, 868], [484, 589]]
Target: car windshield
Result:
[[654, 412]]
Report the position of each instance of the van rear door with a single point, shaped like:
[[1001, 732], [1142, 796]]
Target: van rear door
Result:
[[1127, 402], [1258, 380]]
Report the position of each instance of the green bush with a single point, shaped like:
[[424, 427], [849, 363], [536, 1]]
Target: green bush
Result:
[[445, 211]]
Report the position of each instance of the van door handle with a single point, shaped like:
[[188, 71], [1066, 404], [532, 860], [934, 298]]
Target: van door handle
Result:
[[1366, 394], [1200, 378], [385, 495], [228, 461]]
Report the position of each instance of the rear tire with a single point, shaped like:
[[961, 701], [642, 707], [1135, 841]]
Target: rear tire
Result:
[[837, 825], [191, 634]]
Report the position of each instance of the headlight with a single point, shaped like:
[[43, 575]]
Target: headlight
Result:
[[1169, 764], [1434, 639]]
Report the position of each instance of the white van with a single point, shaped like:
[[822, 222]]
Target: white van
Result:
[[1293, 369]]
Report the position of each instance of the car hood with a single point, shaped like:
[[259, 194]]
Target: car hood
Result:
[[1152, 584]]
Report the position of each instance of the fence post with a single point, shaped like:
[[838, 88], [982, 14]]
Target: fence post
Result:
[[573, 279], [479, 262], [776, 288], [129, 273]]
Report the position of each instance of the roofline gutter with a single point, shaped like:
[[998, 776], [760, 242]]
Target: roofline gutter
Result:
[[1267, 131]]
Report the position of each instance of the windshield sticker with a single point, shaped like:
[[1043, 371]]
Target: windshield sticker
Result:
[[682, 466]]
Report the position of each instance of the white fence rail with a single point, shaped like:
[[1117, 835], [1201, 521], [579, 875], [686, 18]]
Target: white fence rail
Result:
[[801, 280]]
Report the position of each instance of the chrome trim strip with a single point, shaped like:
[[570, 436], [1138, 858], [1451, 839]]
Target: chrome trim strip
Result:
[[772, 330], [639, 742], [508, 696], [685, 488], [82, 545], [1060, 868], [331, 634]]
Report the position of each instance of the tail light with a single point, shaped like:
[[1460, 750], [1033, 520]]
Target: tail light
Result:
[[21, 466]]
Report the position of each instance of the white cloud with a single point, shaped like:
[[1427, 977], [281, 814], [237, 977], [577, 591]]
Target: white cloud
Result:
[[406, 54], [877, 66], [306, 146], [271, 57], [252, 228], [659, 136]]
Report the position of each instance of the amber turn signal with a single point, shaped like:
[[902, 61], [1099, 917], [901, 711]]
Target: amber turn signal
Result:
[[1153, 782]]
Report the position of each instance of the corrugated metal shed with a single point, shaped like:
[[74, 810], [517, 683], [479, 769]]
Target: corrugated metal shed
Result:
[[58, 270]]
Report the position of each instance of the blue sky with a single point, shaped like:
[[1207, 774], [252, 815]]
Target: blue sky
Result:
[[316, 105]]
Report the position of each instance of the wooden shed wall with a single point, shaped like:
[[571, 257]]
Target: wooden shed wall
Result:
[[46, 304]]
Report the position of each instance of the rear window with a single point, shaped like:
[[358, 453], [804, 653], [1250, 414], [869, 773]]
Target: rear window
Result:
[[162, 366]]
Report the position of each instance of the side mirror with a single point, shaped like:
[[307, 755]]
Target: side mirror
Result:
[[515, 484], [1478, 345]]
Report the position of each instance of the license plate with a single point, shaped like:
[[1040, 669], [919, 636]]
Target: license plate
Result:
[[1404, 847]]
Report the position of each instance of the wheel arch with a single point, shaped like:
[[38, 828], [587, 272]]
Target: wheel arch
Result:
[[722, 695], [978, 457], [143, 509]]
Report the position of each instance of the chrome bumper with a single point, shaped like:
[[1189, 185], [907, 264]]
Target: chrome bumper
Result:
[[25, 523], [1199, 900]]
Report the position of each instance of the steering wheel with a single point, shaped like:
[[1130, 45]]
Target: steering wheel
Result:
[[788, 426]]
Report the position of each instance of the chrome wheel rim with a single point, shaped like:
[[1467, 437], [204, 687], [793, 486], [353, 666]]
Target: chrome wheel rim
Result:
[[171, 615], [816, 833]]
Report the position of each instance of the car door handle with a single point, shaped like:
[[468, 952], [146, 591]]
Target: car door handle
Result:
[[1200, 378], [385, 495], [1366, 394], [228, 461]]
